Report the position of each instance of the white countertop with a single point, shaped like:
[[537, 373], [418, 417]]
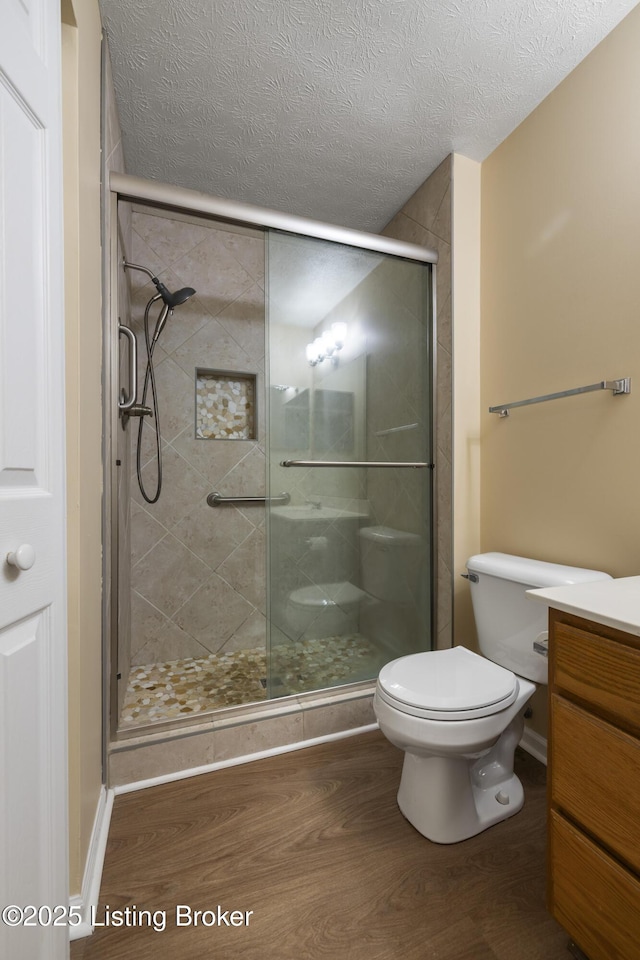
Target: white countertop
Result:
[[615, 603]]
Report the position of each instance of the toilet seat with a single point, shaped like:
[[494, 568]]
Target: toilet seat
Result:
[[322, 595], [452, 684]]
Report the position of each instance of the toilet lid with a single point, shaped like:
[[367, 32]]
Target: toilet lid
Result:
[[448, 682], [327, 594]]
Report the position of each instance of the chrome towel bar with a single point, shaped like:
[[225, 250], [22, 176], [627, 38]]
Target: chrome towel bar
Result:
[[355, 463], [617, 386], [216, 499]]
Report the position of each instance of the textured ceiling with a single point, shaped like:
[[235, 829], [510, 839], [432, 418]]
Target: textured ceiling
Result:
[[334, 109]]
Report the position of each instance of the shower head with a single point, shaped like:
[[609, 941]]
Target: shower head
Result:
[[171, 299]]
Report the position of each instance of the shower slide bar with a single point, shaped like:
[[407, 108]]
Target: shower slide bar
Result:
[[356, 463], [617, 386], [216, 499]]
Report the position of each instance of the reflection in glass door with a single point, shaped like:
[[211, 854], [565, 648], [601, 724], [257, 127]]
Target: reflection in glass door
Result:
[[350, 440]]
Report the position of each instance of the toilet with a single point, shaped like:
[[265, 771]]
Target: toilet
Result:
[[381, 610], [391, 572], [324, 610], [459, 716]]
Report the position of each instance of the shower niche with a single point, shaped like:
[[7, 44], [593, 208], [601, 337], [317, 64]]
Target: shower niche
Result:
[[225, 405]]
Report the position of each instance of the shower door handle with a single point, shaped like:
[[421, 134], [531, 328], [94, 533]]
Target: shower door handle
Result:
[[357, 463], [127, 401]]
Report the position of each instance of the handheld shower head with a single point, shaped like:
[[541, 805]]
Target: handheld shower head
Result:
[[170, 300], [173, 299]]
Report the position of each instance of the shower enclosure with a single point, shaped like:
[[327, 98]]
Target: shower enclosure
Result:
[[294, 398]]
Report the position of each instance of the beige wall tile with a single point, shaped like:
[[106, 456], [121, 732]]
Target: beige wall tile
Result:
[[169, 239], [249, 251], [183, 487], [248, 738], [245, 569], [213, 533], [168, 642], [169, 575], [323, 720], [425, 204], [155, 760], [146, 623], [177, 414], [212, 348], [250, 634], [244, 321], [213, 613], [215, 273], [145, 531]]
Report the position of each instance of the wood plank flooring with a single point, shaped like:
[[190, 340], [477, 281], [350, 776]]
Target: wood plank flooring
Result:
[[314, 844]]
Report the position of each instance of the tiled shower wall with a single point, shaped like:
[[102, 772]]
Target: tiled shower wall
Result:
[[426, 219], [198, 577]]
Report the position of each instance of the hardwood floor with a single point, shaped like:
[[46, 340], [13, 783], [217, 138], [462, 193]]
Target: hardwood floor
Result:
[[314, 844]]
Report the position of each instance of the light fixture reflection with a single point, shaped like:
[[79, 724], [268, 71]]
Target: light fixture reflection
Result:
[[327, 344]]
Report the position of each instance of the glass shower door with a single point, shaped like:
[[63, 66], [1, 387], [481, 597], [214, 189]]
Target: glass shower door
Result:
[[349, 393]]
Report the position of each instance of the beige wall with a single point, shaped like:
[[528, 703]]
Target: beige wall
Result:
[[561, 308], [81, 96]]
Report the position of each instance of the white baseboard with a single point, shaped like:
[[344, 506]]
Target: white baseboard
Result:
[[88, 898], [247, 758], [535, 744]]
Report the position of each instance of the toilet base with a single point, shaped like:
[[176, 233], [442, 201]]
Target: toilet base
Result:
[[449, 799]]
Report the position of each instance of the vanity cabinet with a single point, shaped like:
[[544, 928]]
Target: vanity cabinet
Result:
[[594, 785]]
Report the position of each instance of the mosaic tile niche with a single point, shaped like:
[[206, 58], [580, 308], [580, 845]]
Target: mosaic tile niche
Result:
[[225, 406]]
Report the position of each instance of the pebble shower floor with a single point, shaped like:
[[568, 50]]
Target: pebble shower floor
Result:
[[183, 688]]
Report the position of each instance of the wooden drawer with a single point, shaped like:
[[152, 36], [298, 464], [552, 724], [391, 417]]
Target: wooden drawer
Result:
[[602, 672], [595, 778], [595, 899]]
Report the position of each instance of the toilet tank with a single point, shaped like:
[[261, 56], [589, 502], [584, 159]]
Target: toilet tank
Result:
[[507, 620], [390, 563]]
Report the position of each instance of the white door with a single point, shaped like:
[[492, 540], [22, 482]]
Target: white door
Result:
[[33, 682]]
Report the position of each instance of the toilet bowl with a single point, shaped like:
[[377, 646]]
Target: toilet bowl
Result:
[[324, 609], [459, 716], [457, 777]]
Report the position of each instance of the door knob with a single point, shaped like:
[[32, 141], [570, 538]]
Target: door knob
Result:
[[23, 558]]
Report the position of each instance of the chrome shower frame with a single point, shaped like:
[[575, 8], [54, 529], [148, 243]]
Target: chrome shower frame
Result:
[[185, 201]]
